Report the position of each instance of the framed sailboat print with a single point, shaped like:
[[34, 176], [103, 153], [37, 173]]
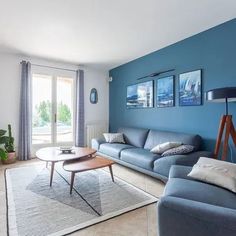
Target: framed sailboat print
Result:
[[190, 88], [165, 92], [140, 95]]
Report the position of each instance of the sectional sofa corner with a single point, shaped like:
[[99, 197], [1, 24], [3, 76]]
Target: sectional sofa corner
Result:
[[195, 208]]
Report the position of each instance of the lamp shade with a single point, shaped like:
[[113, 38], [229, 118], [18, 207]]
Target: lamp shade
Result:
[[221, 94]]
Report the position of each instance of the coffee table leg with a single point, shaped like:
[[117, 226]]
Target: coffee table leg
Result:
[[72, 181], [52, 171], [112, 177]]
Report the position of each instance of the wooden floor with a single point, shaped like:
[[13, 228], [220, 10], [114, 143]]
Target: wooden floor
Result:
[[141, 222]]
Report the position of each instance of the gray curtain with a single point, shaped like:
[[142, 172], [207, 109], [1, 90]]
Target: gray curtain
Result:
[[79, 111], [24, 149]]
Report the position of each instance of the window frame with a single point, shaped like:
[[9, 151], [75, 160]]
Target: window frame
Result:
[[55, 73]]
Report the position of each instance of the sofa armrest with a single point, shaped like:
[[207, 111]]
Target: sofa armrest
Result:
[[192, 158], [163, 164], [178, 217], [187, 159], [180, 172], [97, 142]]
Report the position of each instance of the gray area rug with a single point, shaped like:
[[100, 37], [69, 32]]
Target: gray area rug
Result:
[[35, 208]]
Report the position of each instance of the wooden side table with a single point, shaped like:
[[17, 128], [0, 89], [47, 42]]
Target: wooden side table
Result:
[[89, 164]]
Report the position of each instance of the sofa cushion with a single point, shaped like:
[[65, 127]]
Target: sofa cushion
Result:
[[183, 149], [113, 149], [200, 192], [160, 148], [220, 173], [114, 137], [157, 137], [134, 136], [139, 157]]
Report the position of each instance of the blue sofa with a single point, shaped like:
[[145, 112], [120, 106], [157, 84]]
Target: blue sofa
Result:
[[194, 208], [135, 153]]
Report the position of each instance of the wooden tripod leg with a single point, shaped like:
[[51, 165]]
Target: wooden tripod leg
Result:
[[219, 137], [227, 133], [233, 132]]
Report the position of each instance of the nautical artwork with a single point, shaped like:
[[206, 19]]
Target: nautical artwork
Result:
[[190, 88], [165, 92], [140, 95]]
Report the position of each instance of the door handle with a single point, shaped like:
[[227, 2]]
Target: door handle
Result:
[[55, 118]]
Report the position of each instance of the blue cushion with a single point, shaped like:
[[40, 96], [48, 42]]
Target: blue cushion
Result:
[[139, 157], [156, 137], [200, 192], [113, 149], [134, 136]]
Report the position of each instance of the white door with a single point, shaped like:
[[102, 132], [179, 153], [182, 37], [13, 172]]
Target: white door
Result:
[[52, 110]]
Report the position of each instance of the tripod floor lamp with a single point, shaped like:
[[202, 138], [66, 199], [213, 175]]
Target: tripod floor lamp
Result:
[[226, 127]]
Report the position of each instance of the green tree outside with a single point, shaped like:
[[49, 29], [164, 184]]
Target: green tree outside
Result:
[[43, 116], [44, 111], [64, 114]]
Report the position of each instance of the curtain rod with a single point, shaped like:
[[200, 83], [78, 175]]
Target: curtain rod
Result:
[[52, 67]]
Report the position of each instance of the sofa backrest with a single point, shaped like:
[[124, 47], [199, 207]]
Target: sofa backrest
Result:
[[134, 136], [156, 137]]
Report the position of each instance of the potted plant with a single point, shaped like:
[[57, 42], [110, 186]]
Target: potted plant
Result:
[[7, 151]]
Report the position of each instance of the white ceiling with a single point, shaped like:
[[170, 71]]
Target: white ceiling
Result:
[[104, 33]]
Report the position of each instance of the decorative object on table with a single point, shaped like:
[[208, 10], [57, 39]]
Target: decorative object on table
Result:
[[114, 137], [7, 151], [220, 173], [140, 95], [156, 74], [53, 211], [180, 150], [165, 92], [65, 150], [226, 95], [190, 88], [93, 96]]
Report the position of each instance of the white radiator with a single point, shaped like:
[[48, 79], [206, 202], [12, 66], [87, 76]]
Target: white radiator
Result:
[[95, 131]]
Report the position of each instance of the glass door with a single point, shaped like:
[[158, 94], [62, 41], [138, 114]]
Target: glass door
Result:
[[41, 109], [52, 110], [64, 115]]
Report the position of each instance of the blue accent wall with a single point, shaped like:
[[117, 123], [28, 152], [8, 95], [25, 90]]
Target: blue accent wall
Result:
[[213, 51]]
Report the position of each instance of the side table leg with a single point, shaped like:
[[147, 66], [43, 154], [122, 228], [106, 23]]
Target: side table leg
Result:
[[52, 171], [112, 177], [72, 181]]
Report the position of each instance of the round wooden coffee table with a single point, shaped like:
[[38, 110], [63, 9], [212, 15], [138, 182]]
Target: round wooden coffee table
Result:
[[53, 155]]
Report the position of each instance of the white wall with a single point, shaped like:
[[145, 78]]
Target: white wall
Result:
[[99, 80], [10, 91]]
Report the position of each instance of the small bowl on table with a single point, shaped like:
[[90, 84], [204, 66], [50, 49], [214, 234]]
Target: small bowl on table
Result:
[[66, 150]]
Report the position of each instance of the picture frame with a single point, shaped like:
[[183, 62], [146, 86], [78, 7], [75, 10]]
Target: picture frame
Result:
[[140, 95], [165, 91], [190, 88]]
